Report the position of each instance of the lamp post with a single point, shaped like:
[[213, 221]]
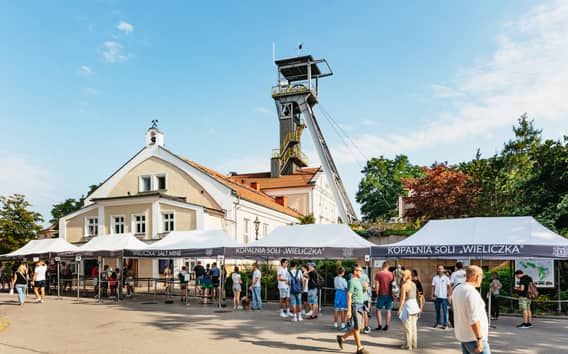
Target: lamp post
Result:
[[256, 227]]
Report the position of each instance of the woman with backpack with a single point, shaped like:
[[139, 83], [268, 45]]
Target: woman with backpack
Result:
[[19, 282], [295, 279]]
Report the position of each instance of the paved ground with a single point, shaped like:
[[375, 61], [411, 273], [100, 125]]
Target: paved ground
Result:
[[67, 326]]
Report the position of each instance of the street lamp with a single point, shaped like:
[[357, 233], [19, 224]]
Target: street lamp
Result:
[[256, 227]]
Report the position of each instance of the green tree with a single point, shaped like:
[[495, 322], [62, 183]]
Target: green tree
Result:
[[307, 219], [18, 224], [382, 185], [69, 206]]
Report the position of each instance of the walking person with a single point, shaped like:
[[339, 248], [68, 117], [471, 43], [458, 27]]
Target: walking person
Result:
[[383, 288], [237, 285], [493, 295], [19, 282], [523, 289], [39, 281], [295, 278], [408, 310], [255, 288], [340, 301], [284, 288], [355, 311], [471, 325], [441, 292]]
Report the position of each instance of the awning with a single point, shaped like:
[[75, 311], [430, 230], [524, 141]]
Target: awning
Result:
[[41, 248]]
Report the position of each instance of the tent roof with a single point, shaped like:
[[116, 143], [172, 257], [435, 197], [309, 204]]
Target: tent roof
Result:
[[485, 230], [312, 235], [111, 244], [195, 239], [42, 247], [482, 237]]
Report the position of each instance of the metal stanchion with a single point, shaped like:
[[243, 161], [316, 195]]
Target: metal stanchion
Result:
[[99, 259], [58, 279], [78, 261]]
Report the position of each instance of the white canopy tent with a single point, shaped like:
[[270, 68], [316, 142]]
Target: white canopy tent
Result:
[[194, 243], [110, 245], [481, 237], [41, 248], [314, 241]]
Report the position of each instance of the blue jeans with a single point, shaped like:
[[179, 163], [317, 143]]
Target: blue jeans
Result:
[[256, 300], [441, 305], [469, 348], [21, 290]]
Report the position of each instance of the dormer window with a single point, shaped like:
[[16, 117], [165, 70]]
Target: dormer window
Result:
[[152, 183], [145, 184], [161, 182]]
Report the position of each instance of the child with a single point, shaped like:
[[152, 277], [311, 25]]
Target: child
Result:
[[340, 302], [236, 277]]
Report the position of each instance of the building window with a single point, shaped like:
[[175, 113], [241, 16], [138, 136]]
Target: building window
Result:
[[140, 224], [161, 182], [117, 224], [246, 230], [145, 183], [92, 227], [168, 222]]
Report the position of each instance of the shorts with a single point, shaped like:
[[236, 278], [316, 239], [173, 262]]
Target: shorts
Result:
[[39, 284], [313, 296], [357, 316], [284, 293], [183, 285], [296, 299], [524, 304], [384, 302], [237, 287], [199, 280], [215, 281], [340, 302]]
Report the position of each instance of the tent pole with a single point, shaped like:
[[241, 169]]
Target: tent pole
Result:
[[58, 282], [119, 285], [559, 288], [99, 259]]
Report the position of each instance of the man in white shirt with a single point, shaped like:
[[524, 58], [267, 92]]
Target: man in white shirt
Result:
[[255, 288], [441, 291], [471, 325], [284, 288], [39, 280], [458, 277]]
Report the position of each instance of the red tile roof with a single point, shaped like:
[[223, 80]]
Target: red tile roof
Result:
[[302, 178]]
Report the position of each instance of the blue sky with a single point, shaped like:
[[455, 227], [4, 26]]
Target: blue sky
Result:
[[80, 83]]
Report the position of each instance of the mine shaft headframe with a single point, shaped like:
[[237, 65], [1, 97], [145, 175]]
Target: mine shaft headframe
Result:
[[303, 70]]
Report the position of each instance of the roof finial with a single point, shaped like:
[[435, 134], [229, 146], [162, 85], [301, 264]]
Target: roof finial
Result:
[[154, 124]]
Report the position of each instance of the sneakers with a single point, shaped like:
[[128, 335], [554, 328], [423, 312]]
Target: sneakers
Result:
[[334, 324], [367, 330], [300, 319], [290, 314], [379, 328], [308, 314], [362, 351], [283, 315], [239, 307], [444, 327], [339, 341], [524, 325], [294, 319], [386, 328]]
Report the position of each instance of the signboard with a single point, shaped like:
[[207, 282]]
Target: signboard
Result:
[[77, 258], [367, 258], [297, 252], [500, 251], [58, 259], [36, 259], [221, 259], [540, 270], [378, 263]]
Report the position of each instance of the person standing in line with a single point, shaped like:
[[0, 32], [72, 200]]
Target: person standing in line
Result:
[[255, 288], [39, 281], [471, 326], [183, 277], [441, 292], [206, 285], [458, 276], [419, 289], [296, 284], [95, 278], [383, 287], [199, 272], [494, 289], [340, 301], [408, 310], [306, 311], [284, 289], [129, 282], [215, 279], [237, 283], [20, 281], [367, 292], [522, 290], [313, 290], [355, 311]]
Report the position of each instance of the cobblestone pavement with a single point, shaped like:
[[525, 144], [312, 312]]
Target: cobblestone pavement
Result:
[[138, 326]]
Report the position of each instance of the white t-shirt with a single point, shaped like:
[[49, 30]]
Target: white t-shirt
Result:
[[236, 279], [457, 277], [40, 273], [283, 273], [469, 308], [440, 284], [340, 283], [256, 275]]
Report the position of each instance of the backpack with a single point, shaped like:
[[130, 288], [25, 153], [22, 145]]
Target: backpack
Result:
[[320, 281], [532, 292], [295, 283]]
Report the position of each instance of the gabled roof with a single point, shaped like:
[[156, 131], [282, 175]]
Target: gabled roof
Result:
[[245, 192], [302, 178]]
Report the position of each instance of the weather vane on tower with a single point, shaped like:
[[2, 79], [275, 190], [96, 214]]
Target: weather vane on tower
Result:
[[155, 123]]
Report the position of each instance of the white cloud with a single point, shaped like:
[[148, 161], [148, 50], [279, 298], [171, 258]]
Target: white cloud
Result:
[[526, 73], [22, 175], [86, 70], [263, 110], [125, 27], [113, 52]]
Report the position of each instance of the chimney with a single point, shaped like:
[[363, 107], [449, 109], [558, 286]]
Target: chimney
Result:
[[255, 186], [282, 200], [275, 165]]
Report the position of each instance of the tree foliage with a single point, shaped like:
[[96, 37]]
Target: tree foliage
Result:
[[382, 185], [443, 192], [18, 224], [69, 206]]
